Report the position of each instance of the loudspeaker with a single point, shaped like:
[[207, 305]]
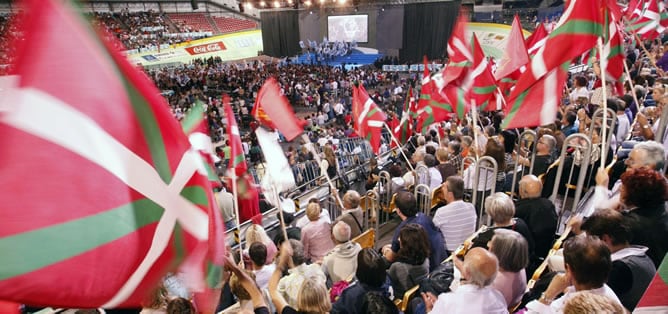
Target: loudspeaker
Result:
[[193, 3]]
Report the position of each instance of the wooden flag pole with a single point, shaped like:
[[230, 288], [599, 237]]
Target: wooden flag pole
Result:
[[604, 85], [399, 146], [280, 211], [645, 50], [235, 195], [633, 92], [310, 146], [474, 128]]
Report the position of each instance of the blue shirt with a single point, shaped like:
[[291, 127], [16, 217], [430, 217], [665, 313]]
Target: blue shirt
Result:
[[436, 243]]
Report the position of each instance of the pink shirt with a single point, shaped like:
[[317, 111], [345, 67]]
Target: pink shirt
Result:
[[511, 285], [317, 240]]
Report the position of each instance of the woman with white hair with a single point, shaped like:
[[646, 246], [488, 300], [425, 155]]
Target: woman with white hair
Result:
[[255, 233], [501, 209]]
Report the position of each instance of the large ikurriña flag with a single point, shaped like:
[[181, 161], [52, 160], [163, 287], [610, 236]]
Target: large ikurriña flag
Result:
[[100, 190]]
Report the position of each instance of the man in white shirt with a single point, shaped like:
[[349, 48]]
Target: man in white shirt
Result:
[[588, 265], [456, 219], [475, 293], [289, 285], [258, 255]]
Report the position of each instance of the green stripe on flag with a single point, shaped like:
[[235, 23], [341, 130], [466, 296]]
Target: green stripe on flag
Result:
[[194, 117], [462, 64], [213, 274], [238, 159], [484, 90], [461, 104], [179, 246], [151, 130], [515, 108], [578, 27], [20, 255], [196, 195]]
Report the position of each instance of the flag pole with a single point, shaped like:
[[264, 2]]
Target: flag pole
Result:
[[604, 64], [235, 195], [399, 146], [280, 212], [474, 128], [310, 146], [649, 56]]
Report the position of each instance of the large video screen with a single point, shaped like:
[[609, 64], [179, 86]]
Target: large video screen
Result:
[[348, 28]]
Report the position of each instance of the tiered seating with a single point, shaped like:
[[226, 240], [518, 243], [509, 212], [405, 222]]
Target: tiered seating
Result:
[[192, 22], [231, 25]]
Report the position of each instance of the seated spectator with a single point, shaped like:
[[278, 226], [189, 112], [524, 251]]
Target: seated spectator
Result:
[[370, 274], [435, 178], [341, 262], [643, 191], [475, 293], [310, 296], [255, 233], [511, 249], [238, 290], [180, 306], [632, 270], [376, 303], [411, 264], [316, 235], [585, 302], [538, 213], [501, 209], [543, 159], [290, 285], [258, 255], [588, 265], [445, 167], [456, 220], [486, 182], [292, 231], [406, 208], [352, 214]]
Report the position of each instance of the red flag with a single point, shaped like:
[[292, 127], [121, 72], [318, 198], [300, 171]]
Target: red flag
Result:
[[459, 53], [649, 25], [369, 119], [433, 105], [483, 83], [273, 110], [515, 56], [654, 299], [196, 128], [538, 104], [536, 40], [426, 88], [237, 158], [122, 204]]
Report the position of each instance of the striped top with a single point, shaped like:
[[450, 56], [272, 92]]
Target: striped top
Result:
[[456, 221]]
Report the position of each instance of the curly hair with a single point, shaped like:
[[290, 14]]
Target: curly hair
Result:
[[414, 244], [644, 187], [497, 151]]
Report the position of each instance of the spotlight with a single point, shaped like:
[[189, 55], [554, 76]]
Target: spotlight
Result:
[[290, 2], [307, 3], [276, 4], [342, 1], [382, 9], [322, 1], [249, 5]]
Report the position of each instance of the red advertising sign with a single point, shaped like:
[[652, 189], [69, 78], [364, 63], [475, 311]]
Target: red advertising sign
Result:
[[206, 48]]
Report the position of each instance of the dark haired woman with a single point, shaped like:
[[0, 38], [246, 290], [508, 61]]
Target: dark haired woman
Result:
[[412, 263]]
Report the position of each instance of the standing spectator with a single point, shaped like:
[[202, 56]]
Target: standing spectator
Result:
[[341, 262], [316, 235]]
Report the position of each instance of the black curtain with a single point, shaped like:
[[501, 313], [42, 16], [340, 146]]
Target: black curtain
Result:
[[280, 33], [427, 28]]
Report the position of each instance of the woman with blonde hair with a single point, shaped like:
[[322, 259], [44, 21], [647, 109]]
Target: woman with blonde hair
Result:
[[312, 298], [328, 164], [316, 235], [255, 233]]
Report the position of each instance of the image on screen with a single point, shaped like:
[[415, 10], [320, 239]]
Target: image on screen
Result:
[[347, 28]]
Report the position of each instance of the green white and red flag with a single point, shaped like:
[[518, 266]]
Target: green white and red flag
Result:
[[536, 40], [368, 119], [634, 9], [536, 105], [425, 89], [654, 300], [121, 201], [435, 106], [195, 126], [483, 87], [649, 24], [272, 109], [237, 158], [582, 22], [613, 49], [403, 129], [460, 58]]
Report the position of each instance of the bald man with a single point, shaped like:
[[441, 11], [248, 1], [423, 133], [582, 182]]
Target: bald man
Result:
[[475, 293], [539, 213]]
